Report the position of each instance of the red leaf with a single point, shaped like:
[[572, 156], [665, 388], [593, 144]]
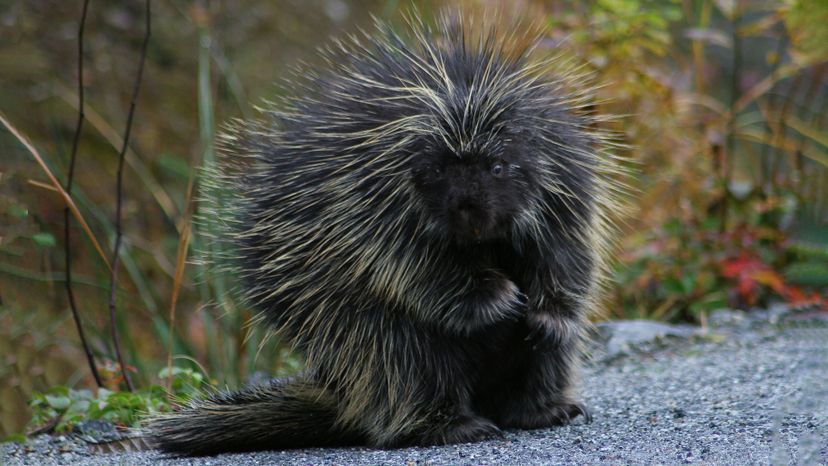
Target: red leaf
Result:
[[770, 279], [749, 272]]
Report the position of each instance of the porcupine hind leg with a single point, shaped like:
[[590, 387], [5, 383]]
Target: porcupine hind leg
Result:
[[413, 389]]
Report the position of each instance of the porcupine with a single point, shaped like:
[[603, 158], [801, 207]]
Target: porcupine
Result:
[[427, 221]]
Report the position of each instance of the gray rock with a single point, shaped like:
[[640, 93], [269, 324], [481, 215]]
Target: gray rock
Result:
[[728, 317], [622, 337], [96, 431]]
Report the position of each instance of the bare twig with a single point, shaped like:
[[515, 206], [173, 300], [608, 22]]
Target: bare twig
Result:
[[119, 198], [42, 185], [90, 358]]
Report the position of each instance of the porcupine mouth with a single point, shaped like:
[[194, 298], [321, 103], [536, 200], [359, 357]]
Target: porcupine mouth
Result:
[[475, 231], [468, 225]]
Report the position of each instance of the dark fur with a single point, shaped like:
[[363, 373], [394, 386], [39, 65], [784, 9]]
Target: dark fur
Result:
[[434, 260]]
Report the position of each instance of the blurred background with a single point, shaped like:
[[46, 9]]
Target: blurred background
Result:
[[723, 108]]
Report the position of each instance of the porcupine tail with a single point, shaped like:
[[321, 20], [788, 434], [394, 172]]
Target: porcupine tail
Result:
[[283, 414]]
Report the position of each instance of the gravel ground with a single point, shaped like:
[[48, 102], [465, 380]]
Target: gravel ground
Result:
[[751, 390]]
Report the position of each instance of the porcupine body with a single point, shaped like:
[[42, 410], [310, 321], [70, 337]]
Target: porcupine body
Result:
[[426, 222]]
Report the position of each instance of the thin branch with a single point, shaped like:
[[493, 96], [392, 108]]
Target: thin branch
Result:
[[119, 200], [90, 358]]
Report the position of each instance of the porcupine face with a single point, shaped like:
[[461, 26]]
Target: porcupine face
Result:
[[475, 195]]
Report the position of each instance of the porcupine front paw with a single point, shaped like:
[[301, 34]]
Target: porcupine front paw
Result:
[[493, 298], [539, 415]]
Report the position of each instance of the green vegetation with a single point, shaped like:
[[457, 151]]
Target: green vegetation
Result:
[[721, 110], [60, 408], [725, 105]]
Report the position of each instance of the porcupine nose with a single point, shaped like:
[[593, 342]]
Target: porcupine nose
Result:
[[466, 206], [468, 213]]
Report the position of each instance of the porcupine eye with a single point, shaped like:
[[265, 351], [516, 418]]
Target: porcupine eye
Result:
[[497, 169]]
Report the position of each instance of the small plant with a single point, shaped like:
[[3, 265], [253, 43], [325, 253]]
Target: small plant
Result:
[[688, 268], [60, 408]]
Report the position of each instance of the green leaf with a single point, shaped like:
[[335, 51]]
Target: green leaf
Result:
[[710, 302], [807, 274], [104, 393], [174, 166], [59, 403], [673, 286], [79, 406], [44, 239], [688, 283], [18, 211]]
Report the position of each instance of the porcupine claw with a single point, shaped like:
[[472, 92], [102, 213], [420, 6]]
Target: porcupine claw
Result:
[[580, 408], [569, 411]]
